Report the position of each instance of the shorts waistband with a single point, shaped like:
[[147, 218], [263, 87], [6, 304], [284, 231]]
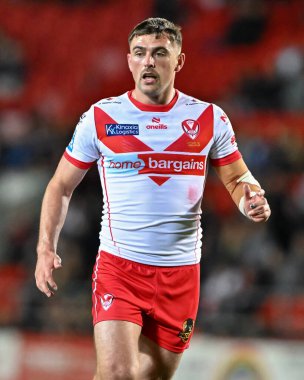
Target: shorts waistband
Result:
[[120, 259]]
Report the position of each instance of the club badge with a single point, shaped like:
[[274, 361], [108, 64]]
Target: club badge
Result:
[[191, 127], [106, 301]]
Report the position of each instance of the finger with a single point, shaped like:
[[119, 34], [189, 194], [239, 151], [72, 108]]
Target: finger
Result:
[[258, 220], [57, 262], [258, 201], [261, 218], [42, 286], [258, 210], [256, 206], [260, 214], [51, 284]]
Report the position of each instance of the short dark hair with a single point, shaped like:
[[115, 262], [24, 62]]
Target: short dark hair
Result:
[[158, 26]]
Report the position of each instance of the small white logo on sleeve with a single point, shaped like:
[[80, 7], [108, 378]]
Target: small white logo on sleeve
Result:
[[106, 301]]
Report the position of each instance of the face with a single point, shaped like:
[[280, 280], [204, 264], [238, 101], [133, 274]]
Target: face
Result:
[[154, 63]]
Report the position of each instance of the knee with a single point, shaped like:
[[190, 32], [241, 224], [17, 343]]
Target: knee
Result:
[[162, 375], [117, 371]]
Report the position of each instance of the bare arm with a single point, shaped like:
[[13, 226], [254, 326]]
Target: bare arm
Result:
[[53, 213], [255, 204]]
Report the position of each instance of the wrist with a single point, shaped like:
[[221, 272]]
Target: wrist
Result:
[[44, 247], [242, 207]]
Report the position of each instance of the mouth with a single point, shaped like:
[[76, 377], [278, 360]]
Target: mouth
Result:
[[149, 77]]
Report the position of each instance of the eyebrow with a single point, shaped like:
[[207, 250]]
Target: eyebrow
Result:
[[154, 49]]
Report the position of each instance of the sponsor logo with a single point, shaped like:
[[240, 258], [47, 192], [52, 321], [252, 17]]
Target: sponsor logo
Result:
[[71, 144], [114, 102], [125, 164], [163, 163], [109, 101], [160, 163], [187, 330], [122, 129], [224, 118], [106, 301], [233, 140], [191, 128], [193, 143], [193, 102], [83, 116], [157, 125]]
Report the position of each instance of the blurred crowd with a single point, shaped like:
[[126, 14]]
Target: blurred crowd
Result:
[[252, 275]]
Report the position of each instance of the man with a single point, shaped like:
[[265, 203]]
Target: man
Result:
[[151, 146]]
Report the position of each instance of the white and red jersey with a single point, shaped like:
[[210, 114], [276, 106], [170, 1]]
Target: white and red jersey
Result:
[[152, 161]]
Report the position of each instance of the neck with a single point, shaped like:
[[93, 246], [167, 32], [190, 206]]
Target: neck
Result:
[[161, 99]]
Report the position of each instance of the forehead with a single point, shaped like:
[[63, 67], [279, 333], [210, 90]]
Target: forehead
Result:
[[152, 41]]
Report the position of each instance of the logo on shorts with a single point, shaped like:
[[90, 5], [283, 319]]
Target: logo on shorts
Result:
[[191, 127], [188, 326], [106, 301]]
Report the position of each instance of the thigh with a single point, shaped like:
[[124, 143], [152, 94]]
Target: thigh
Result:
[[122, 289], [171, 323], [117, 351], [156, 362]]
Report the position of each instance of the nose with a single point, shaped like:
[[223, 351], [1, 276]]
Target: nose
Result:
[[149, 60]]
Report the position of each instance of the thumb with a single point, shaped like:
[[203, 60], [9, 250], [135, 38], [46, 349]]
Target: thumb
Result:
[[57, 262], [247, 191]]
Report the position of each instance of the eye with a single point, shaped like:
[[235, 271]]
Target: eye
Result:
[[138, 53], [161, 53]]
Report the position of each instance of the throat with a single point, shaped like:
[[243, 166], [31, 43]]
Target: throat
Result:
[[153, 97]]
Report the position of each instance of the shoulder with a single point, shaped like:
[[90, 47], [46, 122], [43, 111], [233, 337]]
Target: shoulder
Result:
[[218, 112], [111, 102], [190, 101], [200, 106]]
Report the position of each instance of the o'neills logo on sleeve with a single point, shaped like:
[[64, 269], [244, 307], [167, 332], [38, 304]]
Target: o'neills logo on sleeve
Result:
[[168, 163]]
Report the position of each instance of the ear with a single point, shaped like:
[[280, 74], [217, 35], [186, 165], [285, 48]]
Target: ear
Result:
[[180, 62], [129, 61]]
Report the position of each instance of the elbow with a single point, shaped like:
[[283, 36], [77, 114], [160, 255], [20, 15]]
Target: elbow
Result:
[[60, 188]]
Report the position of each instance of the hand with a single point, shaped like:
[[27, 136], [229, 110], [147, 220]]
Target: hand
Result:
[[47, 261], [256, 205]]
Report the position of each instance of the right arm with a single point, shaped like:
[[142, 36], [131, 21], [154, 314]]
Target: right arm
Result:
[[53, 213]]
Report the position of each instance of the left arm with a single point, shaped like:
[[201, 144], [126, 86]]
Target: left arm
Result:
[[245, 190]]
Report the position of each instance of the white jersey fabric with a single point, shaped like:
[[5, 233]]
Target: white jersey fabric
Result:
[[152, 162]]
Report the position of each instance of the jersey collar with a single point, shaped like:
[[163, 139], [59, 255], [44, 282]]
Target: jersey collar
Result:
[[153, 107]]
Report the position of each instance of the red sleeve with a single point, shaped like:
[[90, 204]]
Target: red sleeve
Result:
[[77, 163], [226, 160]]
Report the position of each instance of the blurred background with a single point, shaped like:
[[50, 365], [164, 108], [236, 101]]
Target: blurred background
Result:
[[247, 56]]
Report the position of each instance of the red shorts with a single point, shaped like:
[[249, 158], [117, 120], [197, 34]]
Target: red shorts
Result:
[[163, 300]]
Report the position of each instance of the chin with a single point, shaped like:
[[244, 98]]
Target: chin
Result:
[[150, 91]]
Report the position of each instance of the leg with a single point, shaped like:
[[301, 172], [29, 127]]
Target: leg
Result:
[[117, 350], [156, 363]]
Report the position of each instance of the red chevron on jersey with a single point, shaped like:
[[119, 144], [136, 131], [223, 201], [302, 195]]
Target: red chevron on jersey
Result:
[[202, 134], [152, 164], [159, 180], [118, 144]]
